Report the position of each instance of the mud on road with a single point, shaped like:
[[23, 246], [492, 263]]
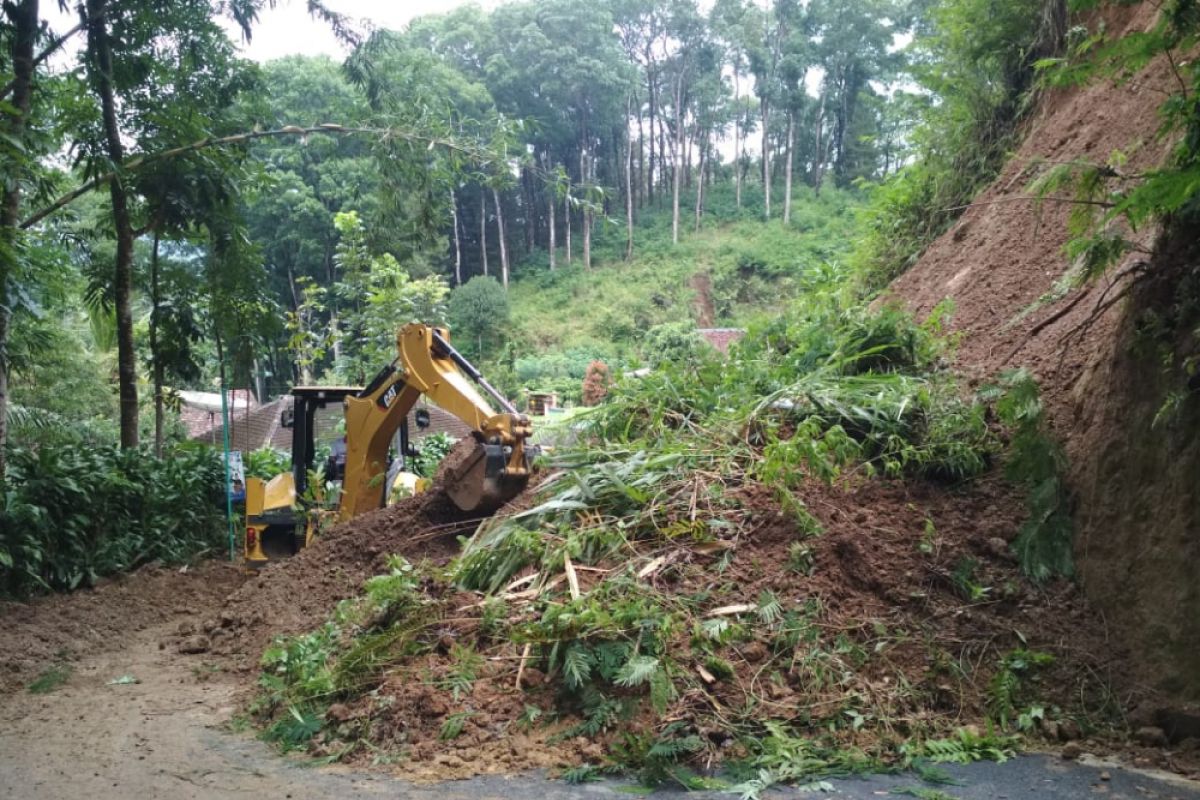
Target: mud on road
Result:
[[136, 718]]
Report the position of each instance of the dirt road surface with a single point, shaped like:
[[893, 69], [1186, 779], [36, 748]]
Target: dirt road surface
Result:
[[171, 734]]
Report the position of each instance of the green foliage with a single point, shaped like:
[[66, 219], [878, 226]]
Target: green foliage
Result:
[[50, 679], [72, 515], [1044, 543], [671, 342], [266, 463], [376, 296], [464, 672], [963, 578], [563, 371], [1005, 692], [432, 450], [783, 756], [964, 747], [981, 78], [452, 728], [1112, 206], [479, 315], [924, 793]]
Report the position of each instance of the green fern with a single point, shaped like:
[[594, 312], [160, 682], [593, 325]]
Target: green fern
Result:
[[638, 670], [577, 665], [452, 728], [584, 773], [465, 671], [769, 610]]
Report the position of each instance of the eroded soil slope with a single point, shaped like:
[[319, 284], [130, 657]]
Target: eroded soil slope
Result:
[[1136, 508]]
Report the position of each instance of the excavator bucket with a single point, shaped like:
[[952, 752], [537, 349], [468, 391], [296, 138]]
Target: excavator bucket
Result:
[[473, 476]]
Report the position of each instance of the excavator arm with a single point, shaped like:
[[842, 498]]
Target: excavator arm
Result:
[[479, 479]]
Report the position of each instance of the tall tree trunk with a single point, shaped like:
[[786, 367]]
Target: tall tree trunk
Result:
[[678, 158], [662, 154], [527, 207], [585, 177], [701, 156], [737, 133], [629, 182], [687, 162], [653, 109], [500, 233], [24, 18], [641, 182], [100, 69], [457, 240], [155, 355], [818, 152], [483, 230], [766, 157], [567, 220], [552, 198], [787, 181]]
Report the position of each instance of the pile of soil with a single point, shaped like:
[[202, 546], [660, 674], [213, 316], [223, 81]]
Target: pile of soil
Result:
[[1131, 476], [295, 595], [61, 628], [883, 577]]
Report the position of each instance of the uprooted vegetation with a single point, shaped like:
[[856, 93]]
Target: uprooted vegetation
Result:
[[794, 563]]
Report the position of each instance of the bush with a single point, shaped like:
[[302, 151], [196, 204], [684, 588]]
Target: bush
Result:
[[72, 515], [671, 343], [267, 462], [479, 316]]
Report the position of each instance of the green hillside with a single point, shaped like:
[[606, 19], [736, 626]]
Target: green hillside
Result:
[[736, 268]]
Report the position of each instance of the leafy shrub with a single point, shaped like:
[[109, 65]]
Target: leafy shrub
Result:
[[671, 343], [478, 315], [73, 514], [432, 449], [266, 463], [1044, 544]]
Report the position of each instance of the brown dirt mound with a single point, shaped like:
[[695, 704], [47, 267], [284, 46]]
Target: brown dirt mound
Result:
[[1132, 478], [65, 627], [295, 595], [889, 604]]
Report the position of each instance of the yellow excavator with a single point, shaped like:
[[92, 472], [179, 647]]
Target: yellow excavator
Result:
[[478, 477]]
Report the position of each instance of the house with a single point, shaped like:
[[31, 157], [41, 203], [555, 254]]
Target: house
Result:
[[200, 412], [721, 338], [255, 428]]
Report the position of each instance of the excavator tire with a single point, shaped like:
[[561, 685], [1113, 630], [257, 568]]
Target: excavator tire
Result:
[[463, 475]]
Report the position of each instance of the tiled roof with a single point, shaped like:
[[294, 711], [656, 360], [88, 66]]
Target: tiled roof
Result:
[[721, 338], [260, 427], [200, 412]]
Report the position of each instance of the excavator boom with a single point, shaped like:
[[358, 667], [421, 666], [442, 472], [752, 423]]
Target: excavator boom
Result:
[[480, 474], [483, 477]]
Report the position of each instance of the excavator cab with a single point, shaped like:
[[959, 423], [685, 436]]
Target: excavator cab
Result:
[[479, 475]]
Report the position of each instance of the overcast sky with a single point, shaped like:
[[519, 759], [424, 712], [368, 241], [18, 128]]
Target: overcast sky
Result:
[[288, 28]]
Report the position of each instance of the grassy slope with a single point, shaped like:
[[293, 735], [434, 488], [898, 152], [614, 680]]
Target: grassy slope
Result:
[[753, 267]]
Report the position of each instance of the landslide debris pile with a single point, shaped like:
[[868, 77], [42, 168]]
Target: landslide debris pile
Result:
[[801, 561], [292, 595]]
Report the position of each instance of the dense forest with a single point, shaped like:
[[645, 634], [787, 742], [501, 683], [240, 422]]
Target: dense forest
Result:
[[175, 212], [562, 184]]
